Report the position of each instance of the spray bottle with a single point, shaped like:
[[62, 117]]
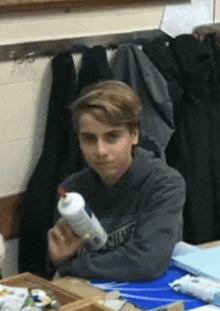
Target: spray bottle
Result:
[[76, 212]]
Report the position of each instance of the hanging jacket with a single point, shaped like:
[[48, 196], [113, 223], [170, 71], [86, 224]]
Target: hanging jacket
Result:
[[161, 56], [41, 193], [94, 67], [199, 139], [133, 67]]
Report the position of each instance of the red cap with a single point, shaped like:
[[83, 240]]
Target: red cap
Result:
[[62, 192]]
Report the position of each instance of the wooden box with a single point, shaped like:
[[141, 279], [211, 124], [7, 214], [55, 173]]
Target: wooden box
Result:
[[69, 300]]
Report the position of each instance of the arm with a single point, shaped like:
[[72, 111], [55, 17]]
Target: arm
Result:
[[147, 254]]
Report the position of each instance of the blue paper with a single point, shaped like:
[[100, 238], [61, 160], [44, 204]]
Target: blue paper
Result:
[[151, 293], [201, 262]]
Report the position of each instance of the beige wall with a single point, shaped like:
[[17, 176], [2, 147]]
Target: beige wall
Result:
[[24, 92], [25, 88], [217, 11], [84, 22]]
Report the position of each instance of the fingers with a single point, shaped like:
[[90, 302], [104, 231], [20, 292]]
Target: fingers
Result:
[[62, 233], [57, 236], [61, 248], [83, 239], [65, 229], [63, 224]]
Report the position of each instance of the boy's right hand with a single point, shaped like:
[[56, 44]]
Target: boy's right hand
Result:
[[63, 243]]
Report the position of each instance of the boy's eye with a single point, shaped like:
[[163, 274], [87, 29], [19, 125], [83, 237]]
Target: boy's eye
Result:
[[112, 136], [88, 138]]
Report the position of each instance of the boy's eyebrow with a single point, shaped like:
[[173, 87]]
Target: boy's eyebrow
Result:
[[86, 133], [112, 131]]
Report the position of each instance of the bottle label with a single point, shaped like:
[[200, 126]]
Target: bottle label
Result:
[[88, 211]]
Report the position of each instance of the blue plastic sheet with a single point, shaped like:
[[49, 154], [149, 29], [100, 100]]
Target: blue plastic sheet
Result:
[[148, 294]]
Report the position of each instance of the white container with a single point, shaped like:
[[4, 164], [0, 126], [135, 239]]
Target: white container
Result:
[[75, 211]]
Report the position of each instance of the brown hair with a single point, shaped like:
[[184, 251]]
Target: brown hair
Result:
[[111, 102]]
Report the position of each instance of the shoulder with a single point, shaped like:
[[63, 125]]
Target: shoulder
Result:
[[156, 170], [74, 181]]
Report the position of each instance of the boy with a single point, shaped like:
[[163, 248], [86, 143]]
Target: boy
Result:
[[137, 197]]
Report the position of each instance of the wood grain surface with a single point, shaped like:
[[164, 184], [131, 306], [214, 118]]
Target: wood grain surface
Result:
[[67, 5], [10, 212]]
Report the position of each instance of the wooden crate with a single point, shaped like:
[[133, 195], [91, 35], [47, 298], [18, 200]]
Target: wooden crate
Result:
[[69, 300]]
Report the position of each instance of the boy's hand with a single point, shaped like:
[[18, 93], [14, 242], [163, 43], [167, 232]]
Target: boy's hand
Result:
[[63, 243]]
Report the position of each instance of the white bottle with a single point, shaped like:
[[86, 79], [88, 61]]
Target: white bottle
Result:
[[76, 212]]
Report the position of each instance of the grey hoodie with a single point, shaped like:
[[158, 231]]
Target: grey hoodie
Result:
[[142, 215]]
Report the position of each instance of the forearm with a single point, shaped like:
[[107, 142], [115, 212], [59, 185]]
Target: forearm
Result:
[[132, 261]]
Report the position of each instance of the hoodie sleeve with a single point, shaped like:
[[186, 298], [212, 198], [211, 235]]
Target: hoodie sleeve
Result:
[[147, 254]]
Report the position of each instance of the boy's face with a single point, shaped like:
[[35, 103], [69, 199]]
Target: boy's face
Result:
[[106, 149]]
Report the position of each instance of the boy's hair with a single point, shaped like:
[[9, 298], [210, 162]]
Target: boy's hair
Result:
[[111, 102]]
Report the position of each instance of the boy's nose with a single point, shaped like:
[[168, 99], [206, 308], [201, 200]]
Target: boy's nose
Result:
[[101, 148]]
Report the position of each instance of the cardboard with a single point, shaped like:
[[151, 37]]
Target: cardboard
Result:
[[175, 306], [85, 305], [81, 288]]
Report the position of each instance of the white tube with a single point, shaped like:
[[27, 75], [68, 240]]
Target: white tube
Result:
[[76, 212]]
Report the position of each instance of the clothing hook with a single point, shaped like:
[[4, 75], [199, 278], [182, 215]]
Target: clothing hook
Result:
[[13, 55], [30, 57]]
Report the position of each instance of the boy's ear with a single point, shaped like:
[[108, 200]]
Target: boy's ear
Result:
[[135, 134]]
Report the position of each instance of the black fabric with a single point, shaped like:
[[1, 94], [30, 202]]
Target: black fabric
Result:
[[191, 68], [211, 42], [195, 64], [94, 67], [41, 193], [163, 59], [192, 71], [198, 138]]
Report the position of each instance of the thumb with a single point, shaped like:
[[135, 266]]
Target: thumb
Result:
[[84, 238]]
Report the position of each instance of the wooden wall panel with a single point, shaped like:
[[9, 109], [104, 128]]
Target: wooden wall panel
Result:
[[29, 5], [11, 208]]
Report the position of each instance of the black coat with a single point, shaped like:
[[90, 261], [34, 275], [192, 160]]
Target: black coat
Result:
[[41, 193], [192, 71], [199, 138], [94, 67]]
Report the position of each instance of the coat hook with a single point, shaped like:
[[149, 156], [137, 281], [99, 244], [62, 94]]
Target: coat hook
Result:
[[13, 55], [30, 57]]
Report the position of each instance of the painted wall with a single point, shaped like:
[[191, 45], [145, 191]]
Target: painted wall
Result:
[[217, 11], [84, 22]]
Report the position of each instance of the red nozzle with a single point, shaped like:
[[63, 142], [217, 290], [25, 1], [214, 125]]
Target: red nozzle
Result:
[[62, 192]]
